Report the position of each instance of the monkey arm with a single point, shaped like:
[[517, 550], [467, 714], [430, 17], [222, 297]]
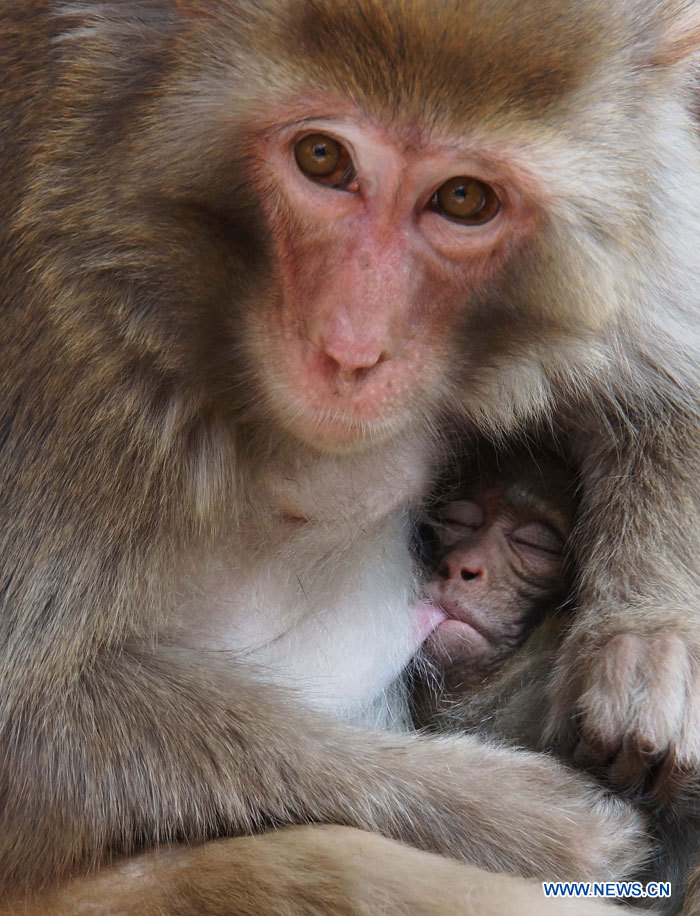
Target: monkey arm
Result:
[[304, 871], [630, 668], [170, 747]]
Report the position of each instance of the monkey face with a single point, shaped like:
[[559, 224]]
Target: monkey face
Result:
[[381, 243], [500, 567]]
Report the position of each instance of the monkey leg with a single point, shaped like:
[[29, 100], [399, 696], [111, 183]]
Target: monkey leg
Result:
[[300, 871]]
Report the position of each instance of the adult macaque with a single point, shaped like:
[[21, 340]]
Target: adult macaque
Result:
[[252, 253], [499, 571]]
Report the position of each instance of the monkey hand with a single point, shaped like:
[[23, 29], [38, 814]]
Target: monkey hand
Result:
[[510, 810], [629, 703]]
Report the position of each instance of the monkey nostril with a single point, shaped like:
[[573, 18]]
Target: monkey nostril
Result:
[[468, 575], [443, 571], [354, 366], [359, 375]]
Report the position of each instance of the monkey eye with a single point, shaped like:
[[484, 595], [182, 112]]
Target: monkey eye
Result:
[[466, 200], [538, 536], [465, 512], [456, 520], [326, 161]]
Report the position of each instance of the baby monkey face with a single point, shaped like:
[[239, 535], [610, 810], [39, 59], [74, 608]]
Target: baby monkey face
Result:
[[499, 566]]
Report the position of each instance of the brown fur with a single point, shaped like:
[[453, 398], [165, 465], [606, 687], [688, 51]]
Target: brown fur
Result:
[[302, 871], [692, 899], [137, 447]]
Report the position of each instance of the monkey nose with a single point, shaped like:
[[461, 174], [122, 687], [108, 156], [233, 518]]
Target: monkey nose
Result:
[[459, 571], [353, 364], [351, 346]]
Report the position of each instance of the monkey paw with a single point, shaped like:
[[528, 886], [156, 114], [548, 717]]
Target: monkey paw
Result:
[[629, 704]]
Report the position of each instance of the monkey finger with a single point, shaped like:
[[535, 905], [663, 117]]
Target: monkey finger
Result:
[[670, 779], [650, 751], [688, 746], [605, 705], [635, 764], [682, 765], [591, 753]]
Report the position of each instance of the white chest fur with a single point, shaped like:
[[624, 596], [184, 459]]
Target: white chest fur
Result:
[[321, 596]]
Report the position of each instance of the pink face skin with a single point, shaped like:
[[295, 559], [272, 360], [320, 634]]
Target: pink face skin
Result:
[[499, 563], [372, 275]]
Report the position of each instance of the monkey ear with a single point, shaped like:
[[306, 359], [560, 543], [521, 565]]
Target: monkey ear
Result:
[[680, 39]]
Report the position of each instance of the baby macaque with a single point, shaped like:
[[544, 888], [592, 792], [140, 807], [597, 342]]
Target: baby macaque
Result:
[[502, 576], [499, 565]]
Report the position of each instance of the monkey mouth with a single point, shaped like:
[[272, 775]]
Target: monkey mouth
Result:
[[465, 624], [457, 613], [339, 430], [429, 618]]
